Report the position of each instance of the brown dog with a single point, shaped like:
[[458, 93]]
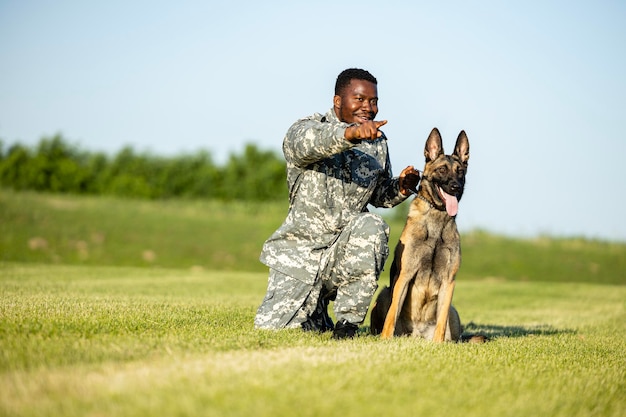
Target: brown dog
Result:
[[428, 255]]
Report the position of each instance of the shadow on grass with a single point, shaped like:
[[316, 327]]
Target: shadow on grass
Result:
[[494, 330]]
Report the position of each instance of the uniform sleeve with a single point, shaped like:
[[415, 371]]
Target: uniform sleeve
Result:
[[387, 192], [310, 140]]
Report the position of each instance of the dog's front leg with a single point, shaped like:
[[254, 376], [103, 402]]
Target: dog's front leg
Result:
[[448, 262], [397, 300], [443, 311]]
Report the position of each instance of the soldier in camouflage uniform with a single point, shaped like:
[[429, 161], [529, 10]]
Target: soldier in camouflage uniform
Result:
[[329, 246]]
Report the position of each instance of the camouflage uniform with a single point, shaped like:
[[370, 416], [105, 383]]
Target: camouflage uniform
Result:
[[329, 241]]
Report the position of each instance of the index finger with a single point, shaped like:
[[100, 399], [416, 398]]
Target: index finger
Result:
[[381, 123]]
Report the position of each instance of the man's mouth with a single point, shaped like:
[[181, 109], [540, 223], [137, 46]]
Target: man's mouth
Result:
[[363, 117]]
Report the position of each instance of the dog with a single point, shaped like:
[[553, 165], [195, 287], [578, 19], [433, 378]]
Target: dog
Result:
[[428, 255]]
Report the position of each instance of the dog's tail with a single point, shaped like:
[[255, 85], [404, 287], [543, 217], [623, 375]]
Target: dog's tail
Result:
[[474, 338]]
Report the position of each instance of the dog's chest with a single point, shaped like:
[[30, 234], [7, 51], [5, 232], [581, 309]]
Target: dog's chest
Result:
[[433, 246], [430, 226]]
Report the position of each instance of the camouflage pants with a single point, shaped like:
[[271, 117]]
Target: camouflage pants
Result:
[[351, 267]]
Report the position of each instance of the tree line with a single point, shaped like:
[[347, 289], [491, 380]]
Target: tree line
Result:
[[56, 166]]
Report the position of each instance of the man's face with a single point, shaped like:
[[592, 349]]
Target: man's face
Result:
[[357, 103]]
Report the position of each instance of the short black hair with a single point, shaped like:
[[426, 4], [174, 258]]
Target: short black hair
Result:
[[352, 74]]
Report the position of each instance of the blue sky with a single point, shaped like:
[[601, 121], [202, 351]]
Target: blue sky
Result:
[[539, 87]]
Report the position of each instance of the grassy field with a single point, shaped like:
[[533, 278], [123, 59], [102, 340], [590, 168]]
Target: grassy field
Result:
[[111, 341], [130, 308], [54, 229]]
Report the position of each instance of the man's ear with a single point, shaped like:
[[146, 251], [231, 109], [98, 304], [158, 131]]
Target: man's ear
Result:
[[337, 102]]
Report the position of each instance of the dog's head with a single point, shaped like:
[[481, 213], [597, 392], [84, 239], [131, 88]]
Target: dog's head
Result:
[[443, 181]]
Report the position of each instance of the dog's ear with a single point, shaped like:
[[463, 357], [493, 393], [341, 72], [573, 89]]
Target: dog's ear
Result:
[[433, 147], [461, 149]]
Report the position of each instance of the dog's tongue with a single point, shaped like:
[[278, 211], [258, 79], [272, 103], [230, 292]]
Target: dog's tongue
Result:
[[452, 204]]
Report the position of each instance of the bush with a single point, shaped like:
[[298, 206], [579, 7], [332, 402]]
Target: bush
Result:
[[55, 166]]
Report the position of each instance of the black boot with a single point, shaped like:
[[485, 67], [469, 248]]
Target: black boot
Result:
[[319, 320], [344, 330]]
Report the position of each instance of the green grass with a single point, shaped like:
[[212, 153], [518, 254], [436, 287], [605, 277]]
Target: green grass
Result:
[[45, 228], [51, 228], [112, 307], [128, 341]]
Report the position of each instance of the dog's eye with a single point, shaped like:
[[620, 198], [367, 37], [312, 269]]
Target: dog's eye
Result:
[[460, 171], [442, 170]]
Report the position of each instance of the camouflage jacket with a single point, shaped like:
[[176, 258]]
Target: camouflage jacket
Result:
[[330, 181]]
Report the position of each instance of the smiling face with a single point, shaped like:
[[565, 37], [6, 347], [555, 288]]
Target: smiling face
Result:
[[357, 102]]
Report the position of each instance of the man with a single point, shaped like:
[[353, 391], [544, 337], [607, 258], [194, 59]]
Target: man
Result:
[[329, 246]]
